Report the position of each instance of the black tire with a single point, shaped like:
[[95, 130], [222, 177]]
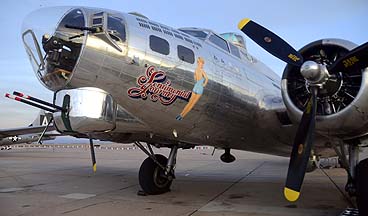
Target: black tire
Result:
[[362, 187], [151, 176]]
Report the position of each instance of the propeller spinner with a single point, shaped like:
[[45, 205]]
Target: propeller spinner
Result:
[[316, 76]]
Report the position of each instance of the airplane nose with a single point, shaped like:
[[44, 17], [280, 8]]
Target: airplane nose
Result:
[[53, 47]]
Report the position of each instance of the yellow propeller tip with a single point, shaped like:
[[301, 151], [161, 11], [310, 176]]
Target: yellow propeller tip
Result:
[[94, 167], [291, 195], [242, 23]]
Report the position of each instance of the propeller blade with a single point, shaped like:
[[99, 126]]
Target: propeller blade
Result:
[[355, 59], [271, 42], [94, 165], [301, 149]]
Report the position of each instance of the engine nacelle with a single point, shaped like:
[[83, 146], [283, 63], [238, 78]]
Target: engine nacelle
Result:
[[342, 103]]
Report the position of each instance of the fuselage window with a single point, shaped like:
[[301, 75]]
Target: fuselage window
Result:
[[185, 54], [116, 28], [198, 34], [159, 45], [74, 18], [234, 50], [219, 42]]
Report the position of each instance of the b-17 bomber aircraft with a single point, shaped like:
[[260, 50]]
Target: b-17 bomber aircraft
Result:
[[125, 78]]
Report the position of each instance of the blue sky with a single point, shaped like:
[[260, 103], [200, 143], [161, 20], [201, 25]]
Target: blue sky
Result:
[[298, 22]]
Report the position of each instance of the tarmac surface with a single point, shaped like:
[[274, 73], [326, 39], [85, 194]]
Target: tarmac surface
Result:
[[60, 181]]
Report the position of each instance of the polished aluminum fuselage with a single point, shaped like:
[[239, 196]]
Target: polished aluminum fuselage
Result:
[[237, 109]]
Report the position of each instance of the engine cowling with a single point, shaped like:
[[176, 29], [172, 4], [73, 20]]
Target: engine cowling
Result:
[[342, 102]]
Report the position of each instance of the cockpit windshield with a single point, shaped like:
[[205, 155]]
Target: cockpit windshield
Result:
[[235, 39]]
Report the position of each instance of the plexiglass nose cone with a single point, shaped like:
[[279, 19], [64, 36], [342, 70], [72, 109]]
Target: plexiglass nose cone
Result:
[[53, 49]]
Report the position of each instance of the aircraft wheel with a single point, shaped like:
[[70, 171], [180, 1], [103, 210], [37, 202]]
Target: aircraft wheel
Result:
[[152, 178], [362, 186]]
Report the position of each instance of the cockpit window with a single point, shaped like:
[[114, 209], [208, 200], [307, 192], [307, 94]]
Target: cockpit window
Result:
[[219, 42], [195, 33], [241, 41], [116, 28], [234, 50]]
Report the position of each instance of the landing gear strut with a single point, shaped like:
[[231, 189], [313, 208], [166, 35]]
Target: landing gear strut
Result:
[[312, 163], [353, 162], [157, 172], [357, 184], [362, 186]]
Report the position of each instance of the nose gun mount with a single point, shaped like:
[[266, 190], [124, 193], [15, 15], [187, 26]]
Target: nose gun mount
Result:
[[53, 54]]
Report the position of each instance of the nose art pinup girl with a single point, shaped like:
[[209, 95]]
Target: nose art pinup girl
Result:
[[201, 79]]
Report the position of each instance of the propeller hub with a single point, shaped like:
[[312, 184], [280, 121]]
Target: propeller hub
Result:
[[316, 74]]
